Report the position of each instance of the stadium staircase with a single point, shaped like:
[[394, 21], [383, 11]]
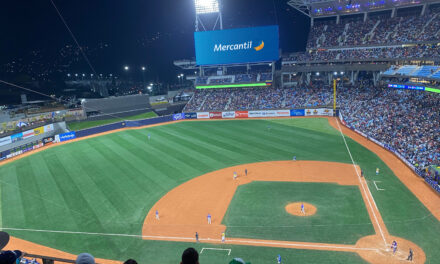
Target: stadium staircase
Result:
[[370, 34], [427, 23]]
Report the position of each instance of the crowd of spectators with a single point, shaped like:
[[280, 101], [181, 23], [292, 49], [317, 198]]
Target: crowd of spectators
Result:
[[258, 98], [412, 52], [377, 31], [409, 121], [406, 120]]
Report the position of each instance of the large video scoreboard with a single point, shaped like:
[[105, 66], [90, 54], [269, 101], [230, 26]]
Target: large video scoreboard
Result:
[[237, 46]]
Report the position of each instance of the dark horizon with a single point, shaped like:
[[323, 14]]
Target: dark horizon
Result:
[[137, 33]]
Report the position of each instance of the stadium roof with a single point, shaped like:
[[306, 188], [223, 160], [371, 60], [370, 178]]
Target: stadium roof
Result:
[[328, 8]]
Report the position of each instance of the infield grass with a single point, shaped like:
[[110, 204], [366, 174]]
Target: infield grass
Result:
[[257, 211], [107, 184]]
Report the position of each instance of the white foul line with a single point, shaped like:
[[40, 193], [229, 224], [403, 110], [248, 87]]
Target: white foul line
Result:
[[365, 192], [377, 188], [225, 249], [207, 240]]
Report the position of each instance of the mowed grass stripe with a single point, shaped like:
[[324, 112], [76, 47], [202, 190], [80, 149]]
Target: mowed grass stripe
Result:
[[159, 162], [164, 151], [58, 214], [238, 144], [212, 142], [73, 198], [204, 147], [11, 196], [204, 155], [132, 174], [303, 146], [100, 191], [186, 154], [26, 180], [143, 165]]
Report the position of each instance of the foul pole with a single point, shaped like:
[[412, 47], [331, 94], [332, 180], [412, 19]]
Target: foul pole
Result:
[[334, 96]]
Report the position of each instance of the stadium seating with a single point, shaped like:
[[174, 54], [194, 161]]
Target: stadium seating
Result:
[[406, 70], [432, 72], [376, 31]]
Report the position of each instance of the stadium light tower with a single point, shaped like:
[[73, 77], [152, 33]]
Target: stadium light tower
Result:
[[206, 9]]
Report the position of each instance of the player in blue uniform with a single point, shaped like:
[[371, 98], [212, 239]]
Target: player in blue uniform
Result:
[[303, 211], [209, 219], [279, 259], [394, 246], [157, 215]]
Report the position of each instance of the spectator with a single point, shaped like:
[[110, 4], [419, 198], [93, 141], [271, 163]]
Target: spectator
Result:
[[10, 257], [190, 256], [85, 258]]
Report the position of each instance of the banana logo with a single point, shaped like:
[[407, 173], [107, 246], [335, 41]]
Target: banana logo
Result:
[[260, 47]]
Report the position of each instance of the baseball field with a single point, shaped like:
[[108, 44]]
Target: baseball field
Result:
[[100, 195]]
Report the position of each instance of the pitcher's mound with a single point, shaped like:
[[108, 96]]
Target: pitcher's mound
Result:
[[295, 209]]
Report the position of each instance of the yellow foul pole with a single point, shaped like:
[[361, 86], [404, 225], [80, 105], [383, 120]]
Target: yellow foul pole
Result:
[[334, 96]]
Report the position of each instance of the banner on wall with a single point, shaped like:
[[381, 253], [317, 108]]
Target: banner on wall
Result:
[[255, 114], [319, 112], [203, 115], [5, 141], [215, 115], [38, 131], [282, 113], [48, 140], [230, 114], [28, 134], [67, 136], [180, 116], [241, 114], [297, 112], [17, 137], [190, 115], [48, 128]]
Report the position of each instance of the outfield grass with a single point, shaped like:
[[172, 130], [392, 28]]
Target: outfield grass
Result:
[[75, 126], [107, 184], [257, 211]]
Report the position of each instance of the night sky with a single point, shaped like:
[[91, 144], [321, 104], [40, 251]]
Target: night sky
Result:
[[139, 32]]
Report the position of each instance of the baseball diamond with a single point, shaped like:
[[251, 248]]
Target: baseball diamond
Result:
[[104, 191]]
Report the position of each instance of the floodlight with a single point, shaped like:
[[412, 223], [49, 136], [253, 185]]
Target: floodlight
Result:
[[206, 6]]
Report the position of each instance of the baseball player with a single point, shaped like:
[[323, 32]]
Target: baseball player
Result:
[[279, 259], [149, 136], [209, 219], [223, 237], [294, 158], [157, 215], [303, 211], [245, 172], [410, 256], [235, 175], [377, 171], [362, 173], [394, 246], [197, 237]]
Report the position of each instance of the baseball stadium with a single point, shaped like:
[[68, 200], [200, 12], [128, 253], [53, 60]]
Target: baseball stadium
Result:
[[330, 155]]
